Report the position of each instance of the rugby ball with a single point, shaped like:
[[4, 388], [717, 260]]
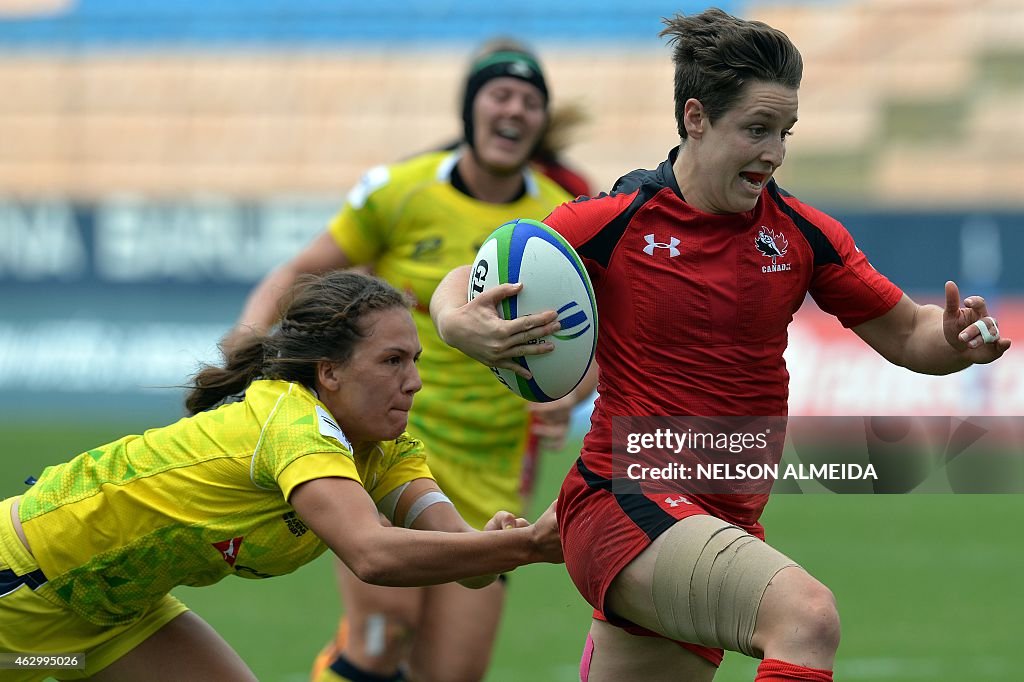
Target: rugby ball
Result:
[[553, 278]]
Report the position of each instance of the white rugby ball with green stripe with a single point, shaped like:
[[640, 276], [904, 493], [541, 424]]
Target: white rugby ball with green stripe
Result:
[[553, 278]]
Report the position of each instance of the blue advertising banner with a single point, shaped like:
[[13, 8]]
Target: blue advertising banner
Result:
[[118, 302], [125, 298]]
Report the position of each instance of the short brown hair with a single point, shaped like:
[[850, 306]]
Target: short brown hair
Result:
[[716, 55]]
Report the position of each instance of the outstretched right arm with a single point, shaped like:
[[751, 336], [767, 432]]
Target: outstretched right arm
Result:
[[342, 514], [262, 308]]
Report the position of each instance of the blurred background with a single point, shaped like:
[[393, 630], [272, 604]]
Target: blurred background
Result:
[[157, 158]]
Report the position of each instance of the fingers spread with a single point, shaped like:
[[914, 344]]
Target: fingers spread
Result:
[[537, 325], [977, 304], [495, 295], [514, 366]]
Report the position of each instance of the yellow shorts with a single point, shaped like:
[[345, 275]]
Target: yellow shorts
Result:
[[36, 621], [476, 491]]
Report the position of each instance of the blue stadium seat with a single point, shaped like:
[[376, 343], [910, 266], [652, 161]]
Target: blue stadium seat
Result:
[[98, 23]]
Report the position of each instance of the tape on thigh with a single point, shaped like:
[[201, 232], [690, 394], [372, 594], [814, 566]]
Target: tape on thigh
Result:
[[709, 578]]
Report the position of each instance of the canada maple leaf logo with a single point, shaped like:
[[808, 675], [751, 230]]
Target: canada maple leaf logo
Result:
[[770, 244]]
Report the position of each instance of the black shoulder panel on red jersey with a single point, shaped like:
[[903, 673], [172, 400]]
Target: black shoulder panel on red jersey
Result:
[[645, 184], [824, 252]]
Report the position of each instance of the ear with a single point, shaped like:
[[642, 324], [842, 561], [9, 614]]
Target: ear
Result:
[[694, 118], [328, 375]]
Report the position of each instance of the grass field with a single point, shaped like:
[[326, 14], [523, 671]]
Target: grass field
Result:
[[929, 586]]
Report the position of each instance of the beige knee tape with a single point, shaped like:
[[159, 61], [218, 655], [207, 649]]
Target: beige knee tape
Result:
[[709, 578]]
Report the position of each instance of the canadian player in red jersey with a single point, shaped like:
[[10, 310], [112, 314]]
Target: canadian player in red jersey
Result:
[[698, 267]]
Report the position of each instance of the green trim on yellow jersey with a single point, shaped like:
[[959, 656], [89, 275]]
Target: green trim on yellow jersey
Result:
[[414, 227], [119, 526]]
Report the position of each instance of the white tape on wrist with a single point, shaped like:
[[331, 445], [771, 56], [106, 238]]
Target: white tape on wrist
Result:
[[986, 335], [420, 505]]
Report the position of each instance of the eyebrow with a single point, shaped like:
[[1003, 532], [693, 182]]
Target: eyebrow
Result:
[[402, 351], [767, 113]]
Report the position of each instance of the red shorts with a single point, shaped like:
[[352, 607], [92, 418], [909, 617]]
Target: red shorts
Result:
[[603, 531]]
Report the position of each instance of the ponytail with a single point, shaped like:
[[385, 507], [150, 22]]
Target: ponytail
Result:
[[243, 364], [323, 321]]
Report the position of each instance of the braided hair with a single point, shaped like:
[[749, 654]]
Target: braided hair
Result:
[[323, 321]]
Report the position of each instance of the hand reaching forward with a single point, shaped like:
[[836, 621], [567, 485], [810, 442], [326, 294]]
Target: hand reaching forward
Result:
[[544, 531], [546, 543], [546, 537]]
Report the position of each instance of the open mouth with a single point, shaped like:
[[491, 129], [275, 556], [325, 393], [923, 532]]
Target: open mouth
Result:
[[510, 133], [754, 180]]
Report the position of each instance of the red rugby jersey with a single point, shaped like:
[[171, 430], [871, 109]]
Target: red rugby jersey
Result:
[[694, 307]]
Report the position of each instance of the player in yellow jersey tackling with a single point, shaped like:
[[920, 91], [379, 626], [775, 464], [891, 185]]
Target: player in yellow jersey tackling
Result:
[[412, 222], [308, 459]]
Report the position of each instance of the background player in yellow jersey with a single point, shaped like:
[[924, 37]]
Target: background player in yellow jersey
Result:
[[308, 459], [412, 222]]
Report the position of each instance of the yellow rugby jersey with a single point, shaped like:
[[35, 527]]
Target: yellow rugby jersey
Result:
[[119, 526], [414, 226]]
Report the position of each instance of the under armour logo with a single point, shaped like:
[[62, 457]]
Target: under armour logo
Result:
[[673, 242], [676, 502]]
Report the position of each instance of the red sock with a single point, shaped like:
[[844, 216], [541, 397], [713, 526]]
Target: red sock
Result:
[[774, 670]]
